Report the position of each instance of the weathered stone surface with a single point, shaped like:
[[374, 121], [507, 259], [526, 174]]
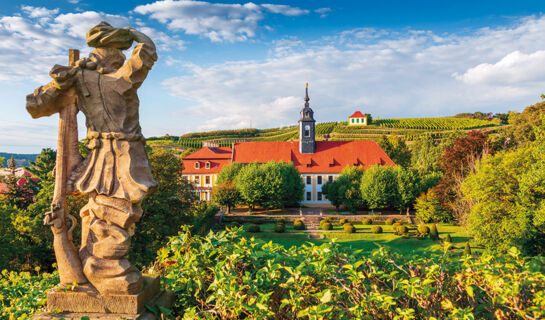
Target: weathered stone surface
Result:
[[116, 174], [163, 298], [86, 299]]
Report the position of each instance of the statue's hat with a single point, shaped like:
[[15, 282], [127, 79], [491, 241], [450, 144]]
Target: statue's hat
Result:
[[104, 35]]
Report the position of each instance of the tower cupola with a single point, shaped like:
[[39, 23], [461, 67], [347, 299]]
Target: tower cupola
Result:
[[307, 134]]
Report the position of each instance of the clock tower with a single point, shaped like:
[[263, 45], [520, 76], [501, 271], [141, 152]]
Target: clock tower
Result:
[[307, 134]]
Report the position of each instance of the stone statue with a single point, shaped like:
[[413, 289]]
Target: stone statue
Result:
[[116, 174]]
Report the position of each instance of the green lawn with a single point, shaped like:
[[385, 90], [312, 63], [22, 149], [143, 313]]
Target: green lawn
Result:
[[367, 241]]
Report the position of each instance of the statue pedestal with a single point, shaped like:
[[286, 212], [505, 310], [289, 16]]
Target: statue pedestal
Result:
[[84, 300]]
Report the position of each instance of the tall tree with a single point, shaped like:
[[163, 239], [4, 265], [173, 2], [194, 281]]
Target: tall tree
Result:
[[379, 187], [408, 185], [229, 172], [396, 148], [226, 194]]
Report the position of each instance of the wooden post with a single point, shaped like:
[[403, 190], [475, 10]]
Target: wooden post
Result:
[[68, 260]]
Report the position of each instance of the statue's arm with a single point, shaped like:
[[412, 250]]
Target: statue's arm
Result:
[[142, 59], [49, 99]]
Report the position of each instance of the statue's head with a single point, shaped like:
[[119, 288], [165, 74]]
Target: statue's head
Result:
[[108, 42], [107, 60]]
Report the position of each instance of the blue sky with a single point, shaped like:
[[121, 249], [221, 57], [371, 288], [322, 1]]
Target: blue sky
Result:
[[234, 64]]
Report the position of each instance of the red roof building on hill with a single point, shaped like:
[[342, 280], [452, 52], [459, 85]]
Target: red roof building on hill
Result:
[[357, 119], [316, 161]]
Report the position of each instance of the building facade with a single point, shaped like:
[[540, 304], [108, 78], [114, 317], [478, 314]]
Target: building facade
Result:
[[357, 119], [317, 161]]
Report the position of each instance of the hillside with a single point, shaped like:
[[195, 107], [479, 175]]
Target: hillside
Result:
[[21, 160], [408, 128]]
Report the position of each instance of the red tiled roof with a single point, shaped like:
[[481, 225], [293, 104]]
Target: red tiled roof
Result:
[[218, 157], [358, 114], [330, 156]]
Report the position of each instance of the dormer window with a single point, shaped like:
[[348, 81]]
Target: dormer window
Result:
[[197, 165], [207, 165]]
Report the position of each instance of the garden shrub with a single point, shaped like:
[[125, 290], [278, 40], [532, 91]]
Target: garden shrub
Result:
[[434, 234], [298, 225], [395, 225], [367, 221], [327, 226], [342, 221], [282, 220], [326, 282], [429, 208], [254, 228], [349, 228], [424, 230], [376, 229], [402, 230], [467, 249], [390, 221], [279, 227]]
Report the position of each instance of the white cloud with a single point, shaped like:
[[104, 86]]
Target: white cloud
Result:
[[216, 21], [386, 73], [323, 12], [38, 12], [514, 68]]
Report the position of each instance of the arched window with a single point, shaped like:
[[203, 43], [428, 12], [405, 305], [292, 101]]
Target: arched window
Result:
[[197, 165], [207, 164], [307, 131]]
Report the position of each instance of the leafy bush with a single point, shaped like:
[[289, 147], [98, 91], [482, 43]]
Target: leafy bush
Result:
[[342, 221], [280, 228], [467, 249], [327, 226], [429, 209], [376, 229], [298, 225], [401, 230], [254, 228], [390, 221], [367, 221], [349, 228], [241, 278], [22, 294], [424, 230]]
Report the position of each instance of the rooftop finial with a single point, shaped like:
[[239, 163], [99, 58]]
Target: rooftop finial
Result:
[[306, 95]]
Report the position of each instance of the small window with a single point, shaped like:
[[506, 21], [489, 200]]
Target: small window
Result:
[[352, 120], [307, 131], [197, 179], [319, 180], [309, 180], [330, 178], [207, 180], [207, 164], [197, 165], [307, 114], [319, 196], [358, 120], [309, 196]]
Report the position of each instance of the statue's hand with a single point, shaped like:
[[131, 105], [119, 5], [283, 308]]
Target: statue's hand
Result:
[[54, 217]]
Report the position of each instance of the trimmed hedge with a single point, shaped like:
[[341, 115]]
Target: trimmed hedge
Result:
[[254, 228], [349, 228], [280, 228], [424, 230], [367, 221], [299, 225], [376, 229], [390, 221], [327, 226]]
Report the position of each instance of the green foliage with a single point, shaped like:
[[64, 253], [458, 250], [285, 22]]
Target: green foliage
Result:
[[401, 230], [280, 227], [165, 210], [434, 123], [345, 189], [254, 228], [229, 172], [390, 221], [226, 194], [408, 186], [327, 226], [379, 187], [23, 294], [507, 195], [429, 208], [448, 239], [342, 221], [298, 225], [367, 221], [396, 148], [376, 229], [424, 230], [349, 228], [241, 278], [42, 167], [271, 185]]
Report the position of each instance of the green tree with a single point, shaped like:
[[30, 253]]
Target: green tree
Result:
[[379, 187], [429, 209], [349, 187], [396, 148], [42, 167], [226, 194], [501, 215], [165, 210], [229, 172], [331, 191], [249, 182], [408, 185]]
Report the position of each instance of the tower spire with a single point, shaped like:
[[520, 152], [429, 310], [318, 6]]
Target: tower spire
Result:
[[306, 95]]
